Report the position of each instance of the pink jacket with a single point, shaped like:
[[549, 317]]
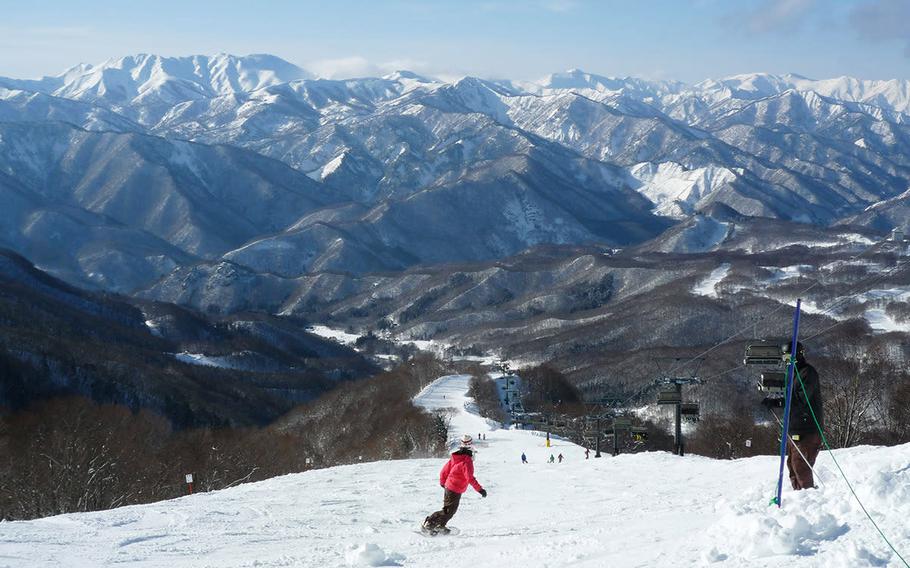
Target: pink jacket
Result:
[[457, 473]]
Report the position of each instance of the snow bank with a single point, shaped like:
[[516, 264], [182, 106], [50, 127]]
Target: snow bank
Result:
[[822, 523]]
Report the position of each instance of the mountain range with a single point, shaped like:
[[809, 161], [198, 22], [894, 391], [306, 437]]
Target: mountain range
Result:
[[123, 174]]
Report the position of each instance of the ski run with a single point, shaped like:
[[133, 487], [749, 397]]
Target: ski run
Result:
[[647, 509]]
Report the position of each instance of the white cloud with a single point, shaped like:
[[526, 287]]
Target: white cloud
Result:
[[358, 66], [342, 68]]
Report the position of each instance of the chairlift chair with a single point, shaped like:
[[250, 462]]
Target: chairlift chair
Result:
[[689, 411], [669, 396], [763, 353], [773, 382], [622, 423]]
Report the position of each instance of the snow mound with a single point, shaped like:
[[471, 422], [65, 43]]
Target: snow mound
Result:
[[370, 554], [826, 521]]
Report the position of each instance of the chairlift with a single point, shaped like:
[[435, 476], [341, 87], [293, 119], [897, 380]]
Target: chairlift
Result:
[[774, 382], [689, 411], [763, 353], [622, 423], [669, 396]]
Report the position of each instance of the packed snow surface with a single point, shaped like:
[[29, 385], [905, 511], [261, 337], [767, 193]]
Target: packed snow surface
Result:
[[635, 510]]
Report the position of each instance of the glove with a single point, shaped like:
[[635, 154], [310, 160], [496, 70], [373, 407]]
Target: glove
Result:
[[483, 492]]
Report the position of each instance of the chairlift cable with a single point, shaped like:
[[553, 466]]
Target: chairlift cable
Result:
[[781, 305], [897, 269], [843, 300]]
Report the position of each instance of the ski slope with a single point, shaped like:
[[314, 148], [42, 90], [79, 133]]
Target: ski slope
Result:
[[650, 509]]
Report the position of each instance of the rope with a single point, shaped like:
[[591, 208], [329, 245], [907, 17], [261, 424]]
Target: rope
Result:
[[847, 481]]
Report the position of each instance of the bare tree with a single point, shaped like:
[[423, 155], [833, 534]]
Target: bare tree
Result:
[[853, 390]]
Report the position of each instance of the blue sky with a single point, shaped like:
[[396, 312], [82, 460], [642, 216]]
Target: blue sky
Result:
[[656, 39]]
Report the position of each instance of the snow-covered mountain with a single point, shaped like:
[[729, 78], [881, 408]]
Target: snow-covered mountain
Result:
[[404, 169], [647, 509], [118, 209], [137, 86], [893, 94]]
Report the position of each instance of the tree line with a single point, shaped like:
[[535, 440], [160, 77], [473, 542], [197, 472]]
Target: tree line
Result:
[[71, 454]]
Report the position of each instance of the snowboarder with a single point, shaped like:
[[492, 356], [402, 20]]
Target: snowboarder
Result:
[[454, 477], [803, 432], [552, 459], [524, 458], [587, 453], [560, 458]]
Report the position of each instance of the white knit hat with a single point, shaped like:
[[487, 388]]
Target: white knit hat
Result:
[[467, 441]]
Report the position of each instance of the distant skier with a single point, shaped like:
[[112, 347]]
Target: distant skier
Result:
[[524, 458], [552, 459], [454, 477], [804, 434], [560, 458], [587, 453]]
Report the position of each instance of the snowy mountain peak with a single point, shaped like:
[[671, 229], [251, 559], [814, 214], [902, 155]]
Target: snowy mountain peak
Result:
[[404, 75], [893, 94], [154, 78], [599, 86], [578, 79]]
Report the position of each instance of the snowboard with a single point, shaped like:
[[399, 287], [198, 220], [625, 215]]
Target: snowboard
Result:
[[453, 531]]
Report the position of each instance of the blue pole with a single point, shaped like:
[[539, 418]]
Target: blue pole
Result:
[[788, 397]]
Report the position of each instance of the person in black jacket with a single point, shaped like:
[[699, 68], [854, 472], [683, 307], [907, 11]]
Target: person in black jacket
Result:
[[804, 433]]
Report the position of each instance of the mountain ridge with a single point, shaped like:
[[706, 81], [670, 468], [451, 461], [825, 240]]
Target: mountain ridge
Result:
[[385, 160]]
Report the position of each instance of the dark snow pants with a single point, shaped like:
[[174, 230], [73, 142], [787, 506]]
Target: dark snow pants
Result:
[[800, 471], [450, 503]]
